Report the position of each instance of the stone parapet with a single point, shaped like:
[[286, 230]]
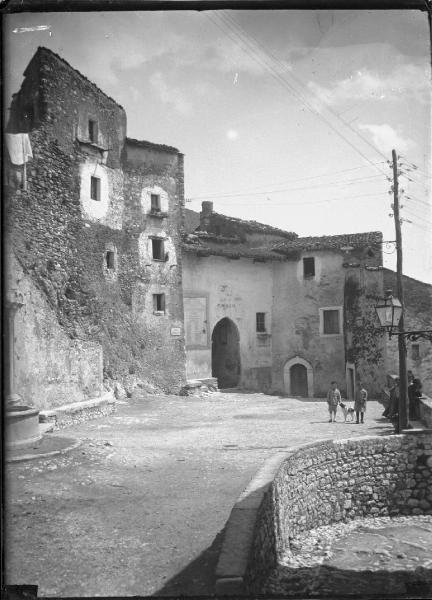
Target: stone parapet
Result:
[[318, 484], [77, 412]]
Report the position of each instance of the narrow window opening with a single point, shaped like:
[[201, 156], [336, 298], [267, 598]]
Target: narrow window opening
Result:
[[109, 260], [159, 302], [93, 130], [95, 188], [155, 202], [308, 267], [331, 322], [260, 322], [415, 351], [158, 249]]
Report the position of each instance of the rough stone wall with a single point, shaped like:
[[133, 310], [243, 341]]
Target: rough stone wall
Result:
[[50, 368], [418, 315], [60, 235], [365, 349], [387, 476]]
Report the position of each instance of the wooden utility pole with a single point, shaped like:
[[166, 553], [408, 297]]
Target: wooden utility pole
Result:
[[403, 379]]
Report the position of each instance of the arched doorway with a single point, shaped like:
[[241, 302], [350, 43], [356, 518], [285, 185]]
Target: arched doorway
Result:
[[226, 353], [298, 378]]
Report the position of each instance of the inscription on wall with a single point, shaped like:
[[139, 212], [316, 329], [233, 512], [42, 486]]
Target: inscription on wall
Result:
[[195, 313]]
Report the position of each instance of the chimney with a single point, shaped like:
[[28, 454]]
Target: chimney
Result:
[[205, 216]]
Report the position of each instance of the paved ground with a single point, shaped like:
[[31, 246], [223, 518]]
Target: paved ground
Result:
[[139, 507]]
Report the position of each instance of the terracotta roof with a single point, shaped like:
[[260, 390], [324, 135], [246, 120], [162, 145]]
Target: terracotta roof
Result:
[[152, 145], [250, 226], [231, 251], [330, 242], [42, 49], [207, 244]]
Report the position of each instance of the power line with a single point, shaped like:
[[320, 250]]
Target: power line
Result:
[[300, 203], [308, 187], [240, 31], [292, 90]]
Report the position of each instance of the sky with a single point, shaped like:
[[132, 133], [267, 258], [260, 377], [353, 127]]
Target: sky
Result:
[[287, 117]]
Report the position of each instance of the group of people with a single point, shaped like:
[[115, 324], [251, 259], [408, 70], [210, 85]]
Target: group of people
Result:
[[334, 399], [414, 393]]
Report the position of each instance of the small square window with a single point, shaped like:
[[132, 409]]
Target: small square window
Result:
[[93, 131], [110, 260], [159, 302], [415, 351], [155, 202], [331, 322], [308, 267], [260, 322], [158, 249], [95, 188]]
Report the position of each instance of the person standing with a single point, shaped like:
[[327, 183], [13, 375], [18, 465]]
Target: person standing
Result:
[[360, 402], [333, 399], [414, 393]]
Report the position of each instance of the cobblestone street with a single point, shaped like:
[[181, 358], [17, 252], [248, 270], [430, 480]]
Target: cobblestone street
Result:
[[138, 508]]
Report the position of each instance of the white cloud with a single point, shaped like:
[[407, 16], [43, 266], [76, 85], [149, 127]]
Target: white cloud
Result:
[[402, 83], [386, 138], [171, 95]]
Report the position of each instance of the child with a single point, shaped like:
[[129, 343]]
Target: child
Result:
[[333, 399], [360, 402]]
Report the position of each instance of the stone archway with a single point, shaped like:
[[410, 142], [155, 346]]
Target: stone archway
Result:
[[298, 378], [226, 353]]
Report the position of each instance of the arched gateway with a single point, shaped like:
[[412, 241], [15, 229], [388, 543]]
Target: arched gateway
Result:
[[298, 377], [226, 353]]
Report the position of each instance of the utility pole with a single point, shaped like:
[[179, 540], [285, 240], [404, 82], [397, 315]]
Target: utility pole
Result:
[[403, 381]]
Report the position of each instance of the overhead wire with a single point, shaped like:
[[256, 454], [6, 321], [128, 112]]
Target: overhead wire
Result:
[[308, 187], [292, 90], [240, 31]]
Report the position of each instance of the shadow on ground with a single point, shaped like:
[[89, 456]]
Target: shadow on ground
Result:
[[198, 577]]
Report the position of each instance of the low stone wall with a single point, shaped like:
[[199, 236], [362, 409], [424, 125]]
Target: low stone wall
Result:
[[425, 409], [77, 412], [326, 482]]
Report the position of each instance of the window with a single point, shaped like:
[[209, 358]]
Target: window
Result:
[[110, 260], [415, 351], [159, 303], [95, 188], [155, 203], [330, 321], [93, 131], [308, 267], [158, 249], [260, 322]]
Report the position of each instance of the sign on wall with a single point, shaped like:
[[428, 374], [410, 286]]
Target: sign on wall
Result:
[[195, 311]]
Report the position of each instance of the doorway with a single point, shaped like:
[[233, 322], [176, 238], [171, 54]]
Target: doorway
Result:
[[226, 353], [299, 384], [298, 377]]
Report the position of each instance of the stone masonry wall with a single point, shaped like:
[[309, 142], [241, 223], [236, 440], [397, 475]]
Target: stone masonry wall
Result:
[[60, 236], [418, 315], [335, 481]]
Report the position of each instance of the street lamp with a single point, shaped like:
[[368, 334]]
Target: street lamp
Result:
[[390, 314], [389, 311]]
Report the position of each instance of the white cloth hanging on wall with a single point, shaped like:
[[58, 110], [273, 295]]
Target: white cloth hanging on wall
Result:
[[19, 147]]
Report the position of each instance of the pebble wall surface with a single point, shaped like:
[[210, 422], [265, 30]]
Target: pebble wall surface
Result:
[[335, 482]]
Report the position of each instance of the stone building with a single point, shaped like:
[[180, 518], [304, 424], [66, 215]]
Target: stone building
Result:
[[118, 283], [93, 239], [418, 316], [270, 311]]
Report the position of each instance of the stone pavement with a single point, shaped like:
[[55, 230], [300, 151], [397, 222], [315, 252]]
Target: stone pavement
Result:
[[140, 506]]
